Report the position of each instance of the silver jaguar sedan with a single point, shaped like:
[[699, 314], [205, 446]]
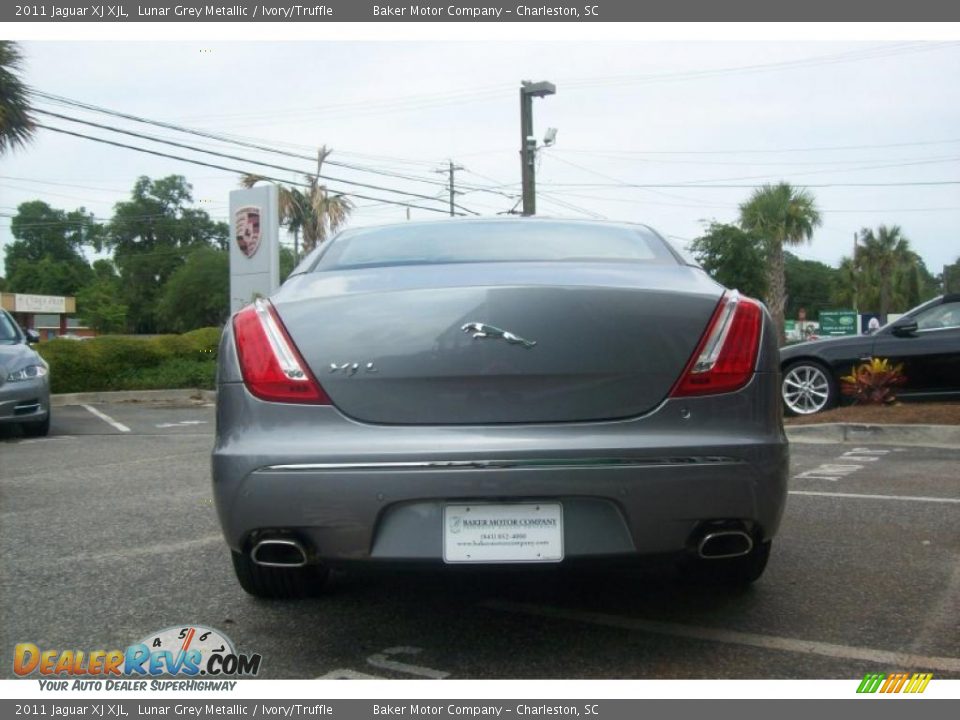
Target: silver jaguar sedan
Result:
[[497, 391], [24, 380]]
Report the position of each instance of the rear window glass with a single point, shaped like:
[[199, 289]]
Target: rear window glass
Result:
[[530, 241]]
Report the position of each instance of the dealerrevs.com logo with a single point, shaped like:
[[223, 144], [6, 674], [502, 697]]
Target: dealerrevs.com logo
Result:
[[187, 651], [898, 682]]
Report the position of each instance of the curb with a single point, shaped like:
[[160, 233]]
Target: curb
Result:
[[947, 436], [186, 396]]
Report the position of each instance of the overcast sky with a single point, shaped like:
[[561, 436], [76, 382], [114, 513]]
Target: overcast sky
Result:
[[671, 113]]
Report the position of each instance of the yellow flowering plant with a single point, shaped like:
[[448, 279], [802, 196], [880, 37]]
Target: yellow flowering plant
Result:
[[873, 382]]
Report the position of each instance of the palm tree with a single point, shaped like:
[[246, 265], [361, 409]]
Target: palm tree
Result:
[[16, 125], [311, 211], [782, 215], [886, 254], [847, 289]]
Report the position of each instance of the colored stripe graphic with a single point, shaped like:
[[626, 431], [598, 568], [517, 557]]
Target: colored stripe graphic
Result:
[[918, 683], [894, 682], [871, 682]]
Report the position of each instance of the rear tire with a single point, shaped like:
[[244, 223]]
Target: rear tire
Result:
[[37, 429], [733, 572], [271, 583]]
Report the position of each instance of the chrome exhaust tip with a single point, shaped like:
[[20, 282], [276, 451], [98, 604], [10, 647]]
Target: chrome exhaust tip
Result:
[[722, 544], [279, 552]]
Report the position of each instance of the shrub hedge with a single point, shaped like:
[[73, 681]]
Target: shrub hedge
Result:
[[128, 362]]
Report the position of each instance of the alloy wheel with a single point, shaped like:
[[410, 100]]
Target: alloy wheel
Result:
[[806, 389]]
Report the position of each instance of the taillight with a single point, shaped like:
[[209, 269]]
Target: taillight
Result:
[[725, 359], [271, 366]]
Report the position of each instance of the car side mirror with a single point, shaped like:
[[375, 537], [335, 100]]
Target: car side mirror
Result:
[[33, 337], [904, 329]]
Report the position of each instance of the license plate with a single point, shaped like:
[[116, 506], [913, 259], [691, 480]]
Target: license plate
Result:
[[491, 533]]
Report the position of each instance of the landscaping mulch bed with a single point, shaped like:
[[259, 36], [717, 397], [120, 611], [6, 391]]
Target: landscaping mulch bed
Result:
[[897, 414]]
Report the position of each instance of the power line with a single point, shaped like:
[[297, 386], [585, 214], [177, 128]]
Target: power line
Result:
[[435, 100], [226, 140], [222, 138], [822, 148], [237, 157], [702, 183], [751, 187], [736, 163], [229, 169]]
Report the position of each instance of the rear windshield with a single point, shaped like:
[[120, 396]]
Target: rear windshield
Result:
[[531, 241]]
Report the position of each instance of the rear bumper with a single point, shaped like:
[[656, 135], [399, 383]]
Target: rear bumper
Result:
[[356, 492], [25, 401]]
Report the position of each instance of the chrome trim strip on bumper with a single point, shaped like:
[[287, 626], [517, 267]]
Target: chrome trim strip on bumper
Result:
[[680, 461]]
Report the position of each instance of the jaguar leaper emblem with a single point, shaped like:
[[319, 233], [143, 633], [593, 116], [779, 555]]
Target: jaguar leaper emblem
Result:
[[482, 330]]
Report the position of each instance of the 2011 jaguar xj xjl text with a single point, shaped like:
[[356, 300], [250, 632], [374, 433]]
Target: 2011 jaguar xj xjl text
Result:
[[497, 391]]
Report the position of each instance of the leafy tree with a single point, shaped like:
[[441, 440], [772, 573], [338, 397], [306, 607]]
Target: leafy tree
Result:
[[810, 285], [950, 279], [733, 257], [99, 307], [782, 215], [151, 235], [312, 210], [287, 262], [198, 292], [46, 257], [16, 124], [98, 303]]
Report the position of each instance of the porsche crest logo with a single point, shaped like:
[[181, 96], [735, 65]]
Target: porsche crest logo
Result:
[[247, 230]]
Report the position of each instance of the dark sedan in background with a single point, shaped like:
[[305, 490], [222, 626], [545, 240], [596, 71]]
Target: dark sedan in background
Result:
[[493, 392], [926, 340]]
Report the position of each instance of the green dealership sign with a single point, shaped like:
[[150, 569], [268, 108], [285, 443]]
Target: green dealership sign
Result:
[[838, 322]]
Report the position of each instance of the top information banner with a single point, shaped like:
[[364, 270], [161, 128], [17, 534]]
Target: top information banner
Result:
[[55, 11]]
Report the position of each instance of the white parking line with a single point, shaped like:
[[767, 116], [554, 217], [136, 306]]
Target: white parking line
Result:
[[143, 551], [383, 661], [866, 496], [107, 419], [734, 637]]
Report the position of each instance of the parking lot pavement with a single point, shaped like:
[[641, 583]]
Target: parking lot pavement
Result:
[[120, 418], [109, 535]]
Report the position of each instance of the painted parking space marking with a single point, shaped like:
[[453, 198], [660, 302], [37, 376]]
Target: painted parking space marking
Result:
[[867, 496], [732, 637], [383, 660], [181, 423], [844, 465], [34, 441], [166, 548], [106, 418], [347, 674]]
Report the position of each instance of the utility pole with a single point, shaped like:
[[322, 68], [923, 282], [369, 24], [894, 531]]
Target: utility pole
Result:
[[853, 271], [451, 169], [528, 142]]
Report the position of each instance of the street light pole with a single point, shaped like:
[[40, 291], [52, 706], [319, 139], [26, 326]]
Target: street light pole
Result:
[[528, 142]]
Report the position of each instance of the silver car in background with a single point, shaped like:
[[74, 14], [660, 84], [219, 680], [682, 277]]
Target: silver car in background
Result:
[[497, 391], [24, 380]]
